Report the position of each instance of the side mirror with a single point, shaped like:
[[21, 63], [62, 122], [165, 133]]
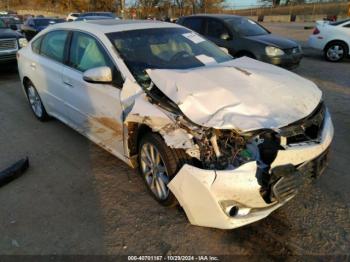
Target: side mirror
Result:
[[224, 36], [98, 75], [13, 27]]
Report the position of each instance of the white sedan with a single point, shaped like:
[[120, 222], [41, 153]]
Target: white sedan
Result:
[[230, 140], [333, 38]]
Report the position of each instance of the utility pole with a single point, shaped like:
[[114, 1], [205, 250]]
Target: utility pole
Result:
[[8, 5]]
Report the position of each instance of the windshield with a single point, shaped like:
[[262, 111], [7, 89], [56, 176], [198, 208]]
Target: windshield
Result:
[[247, 27], [164, 48], [339, 22], [44, 22]]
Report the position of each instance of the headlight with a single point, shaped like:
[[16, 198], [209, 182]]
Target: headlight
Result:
[[273, 51], [22, 42]]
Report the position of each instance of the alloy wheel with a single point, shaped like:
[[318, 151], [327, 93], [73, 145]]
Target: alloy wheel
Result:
[[35, 101], [154, 171], [335, 52]]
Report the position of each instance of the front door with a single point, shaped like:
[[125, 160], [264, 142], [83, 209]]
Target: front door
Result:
[[93, 109]]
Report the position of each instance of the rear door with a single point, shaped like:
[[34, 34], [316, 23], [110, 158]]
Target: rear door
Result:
[[217, 32], [93, 109], [46, 66]]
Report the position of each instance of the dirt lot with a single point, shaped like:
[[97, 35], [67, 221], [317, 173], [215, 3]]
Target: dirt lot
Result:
[[78, 199]]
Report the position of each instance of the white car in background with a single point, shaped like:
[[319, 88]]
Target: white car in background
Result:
[[230, 140], [333, 38], [72, 17]]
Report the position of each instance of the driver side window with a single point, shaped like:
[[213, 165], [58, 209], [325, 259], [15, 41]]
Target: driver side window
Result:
[[87, 53]]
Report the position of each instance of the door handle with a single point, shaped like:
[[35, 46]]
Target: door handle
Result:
[[33, 65], [67, 83]]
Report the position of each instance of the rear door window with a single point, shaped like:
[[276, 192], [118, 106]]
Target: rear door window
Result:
[[194, 23], [216, 28], [53, 45]]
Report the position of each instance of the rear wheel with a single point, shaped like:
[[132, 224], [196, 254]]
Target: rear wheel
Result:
[[158, 164], [35, 102], [336, 51]]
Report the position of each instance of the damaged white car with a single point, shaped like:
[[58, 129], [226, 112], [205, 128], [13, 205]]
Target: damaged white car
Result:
[[230, 140]]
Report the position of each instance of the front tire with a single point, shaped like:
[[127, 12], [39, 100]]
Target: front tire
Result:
[[158, 164], [35, 103], [336, 51]]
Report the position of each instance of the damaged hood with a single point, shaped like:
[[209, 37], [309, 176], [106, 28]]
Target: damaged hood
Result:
[[242, 94]]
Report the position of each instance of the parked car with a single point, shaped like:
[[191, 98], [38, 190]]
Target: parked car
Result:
[[14, 23], [333, 38], [109, 14], [230, 140], [89, 18], [244, 37], [72, 17], [34, 25], [10, 42]]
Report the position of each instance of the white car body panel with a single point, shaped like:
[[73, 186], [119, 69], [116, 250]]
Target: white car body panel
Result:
[[207, 96], [330, 33]]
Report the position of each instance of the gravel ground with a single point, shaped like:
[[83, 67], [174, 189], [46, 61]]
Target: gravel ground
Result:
[[78, 199]]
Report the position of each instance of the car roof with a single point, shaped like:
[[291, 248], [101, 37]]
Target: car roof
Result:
[[96, 17], [45, 18], [112, 25], [219, 16]]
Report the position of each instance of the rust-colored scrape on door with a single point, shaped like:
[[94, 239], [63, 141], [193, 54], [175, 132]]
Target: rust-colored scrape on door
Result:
[[111, 124]]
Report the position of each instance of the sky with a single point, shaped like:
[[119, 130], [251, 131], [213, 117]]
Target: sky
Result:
[[241, 3]]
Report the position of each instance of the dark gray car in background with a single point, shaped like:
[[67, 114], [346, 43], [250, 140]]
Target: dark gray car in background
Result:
[[244, 37]]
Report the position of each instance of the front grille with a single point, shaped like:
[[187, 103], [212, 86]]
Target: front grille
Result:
[[307, 129], [317, 166], [8, 44], [286, 181], [7, 57]]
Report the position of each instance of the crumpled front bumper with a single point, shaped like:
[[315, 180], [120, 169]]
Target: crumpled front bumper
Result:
[[205, 195]]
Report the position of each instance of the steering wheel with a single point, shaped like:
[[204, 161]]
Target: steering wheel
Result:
[[179, 55]]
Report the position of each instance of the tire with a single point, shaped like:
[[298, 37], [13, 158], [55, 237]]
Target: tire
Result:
[[157, 178], [335, 51], [35, 102]]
